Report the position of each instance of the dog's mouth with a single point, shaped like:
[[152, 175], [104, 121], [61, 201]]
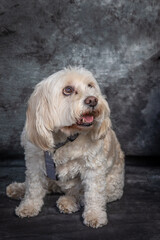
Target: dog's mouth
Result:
[[86, 120]]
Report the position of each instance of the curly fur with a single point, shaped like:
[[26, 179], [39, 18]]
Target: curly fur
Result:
[[90, 169]]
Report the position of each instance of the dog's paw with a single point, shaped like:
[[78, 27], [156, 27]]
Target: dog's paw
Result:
[[67, 204], [95, 219], [28, 209], [16, 190]]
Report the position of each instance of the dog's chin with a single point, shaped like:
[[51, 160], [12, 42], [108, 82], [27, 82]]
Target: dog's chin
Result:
[[77, 128]]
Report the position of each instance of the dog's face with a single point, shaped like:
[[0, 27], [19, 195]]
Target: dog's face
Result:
[[70, 101]]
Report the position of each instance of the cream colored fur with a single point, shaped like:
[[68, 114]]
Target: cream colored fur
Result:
[[90, 169]]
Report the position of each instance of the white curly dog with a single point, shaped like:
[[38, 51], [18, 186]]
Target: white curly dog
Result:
[[90, 169]]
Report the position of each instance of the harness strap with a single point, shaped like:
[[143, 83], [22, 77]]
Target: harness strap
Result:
[[49, 159], [69, 139]]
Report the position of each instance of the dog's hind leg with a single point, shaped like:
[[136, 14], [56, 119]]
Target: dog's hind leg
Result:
[[115, 180], [16, 190], [53, 187]]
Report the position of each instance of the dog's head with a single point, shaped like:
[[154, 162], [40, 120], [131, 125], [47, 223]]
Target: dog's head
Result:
[[70, 101]]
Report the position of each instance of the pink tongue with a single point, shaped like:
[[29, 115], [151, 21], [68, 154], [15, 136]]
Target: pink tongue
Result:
[[88, 118]]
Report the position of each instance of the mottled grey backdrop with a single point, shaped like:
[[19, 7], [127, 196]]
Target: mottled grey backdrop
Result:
[[118, 40]]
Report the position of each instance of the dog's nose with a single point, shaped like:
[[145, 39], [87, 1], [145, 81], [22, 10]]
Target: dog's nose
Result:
[[91, 101]]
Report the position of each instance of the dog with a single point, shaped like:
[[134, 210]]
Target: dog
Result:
[[90, 167]]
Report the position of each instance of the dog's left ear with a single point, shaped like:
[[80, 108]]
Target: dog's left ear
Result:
[[102, 127]]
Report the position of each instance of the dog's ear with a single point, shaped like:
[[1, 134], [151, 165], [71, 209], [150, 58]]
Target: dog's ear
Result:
[[100, 131], [102, 127], [39, 120]]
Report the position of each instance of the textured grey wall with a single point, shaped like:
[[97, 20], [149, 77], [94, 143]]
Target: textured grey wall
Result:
[[118, 40]]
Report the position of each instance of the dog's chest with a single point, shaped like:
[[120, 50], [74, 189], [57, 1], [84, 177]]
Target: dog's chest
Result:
[[70, 170], [74, 158]]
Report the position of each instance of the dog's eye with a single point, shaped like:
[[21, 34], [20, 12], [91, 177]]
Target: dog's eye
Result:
[[68, 90], [90, 85]]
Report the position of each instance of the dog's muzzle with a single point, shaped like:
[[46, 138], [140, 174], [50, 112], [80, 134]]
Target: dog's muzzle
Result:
[[87, 118]]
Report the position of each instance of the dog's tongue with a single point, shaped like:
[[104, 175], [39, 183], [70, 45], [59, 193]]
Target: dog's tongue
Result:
[[88, 118]]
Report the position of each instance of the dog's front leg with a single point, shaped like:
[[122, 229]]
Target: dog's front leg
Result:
[[95, 198], [35, 181]]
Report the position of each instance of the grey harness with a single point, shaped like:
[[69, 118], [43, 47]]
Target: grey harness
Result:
[[49, 159]]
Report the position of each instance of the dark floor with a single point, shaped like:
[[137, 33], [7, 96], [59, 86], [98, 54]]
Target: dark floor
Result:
[[135, 217]]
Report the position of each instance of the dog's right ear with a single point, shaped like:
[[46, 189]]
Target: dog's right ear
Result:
[[39, 120]]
